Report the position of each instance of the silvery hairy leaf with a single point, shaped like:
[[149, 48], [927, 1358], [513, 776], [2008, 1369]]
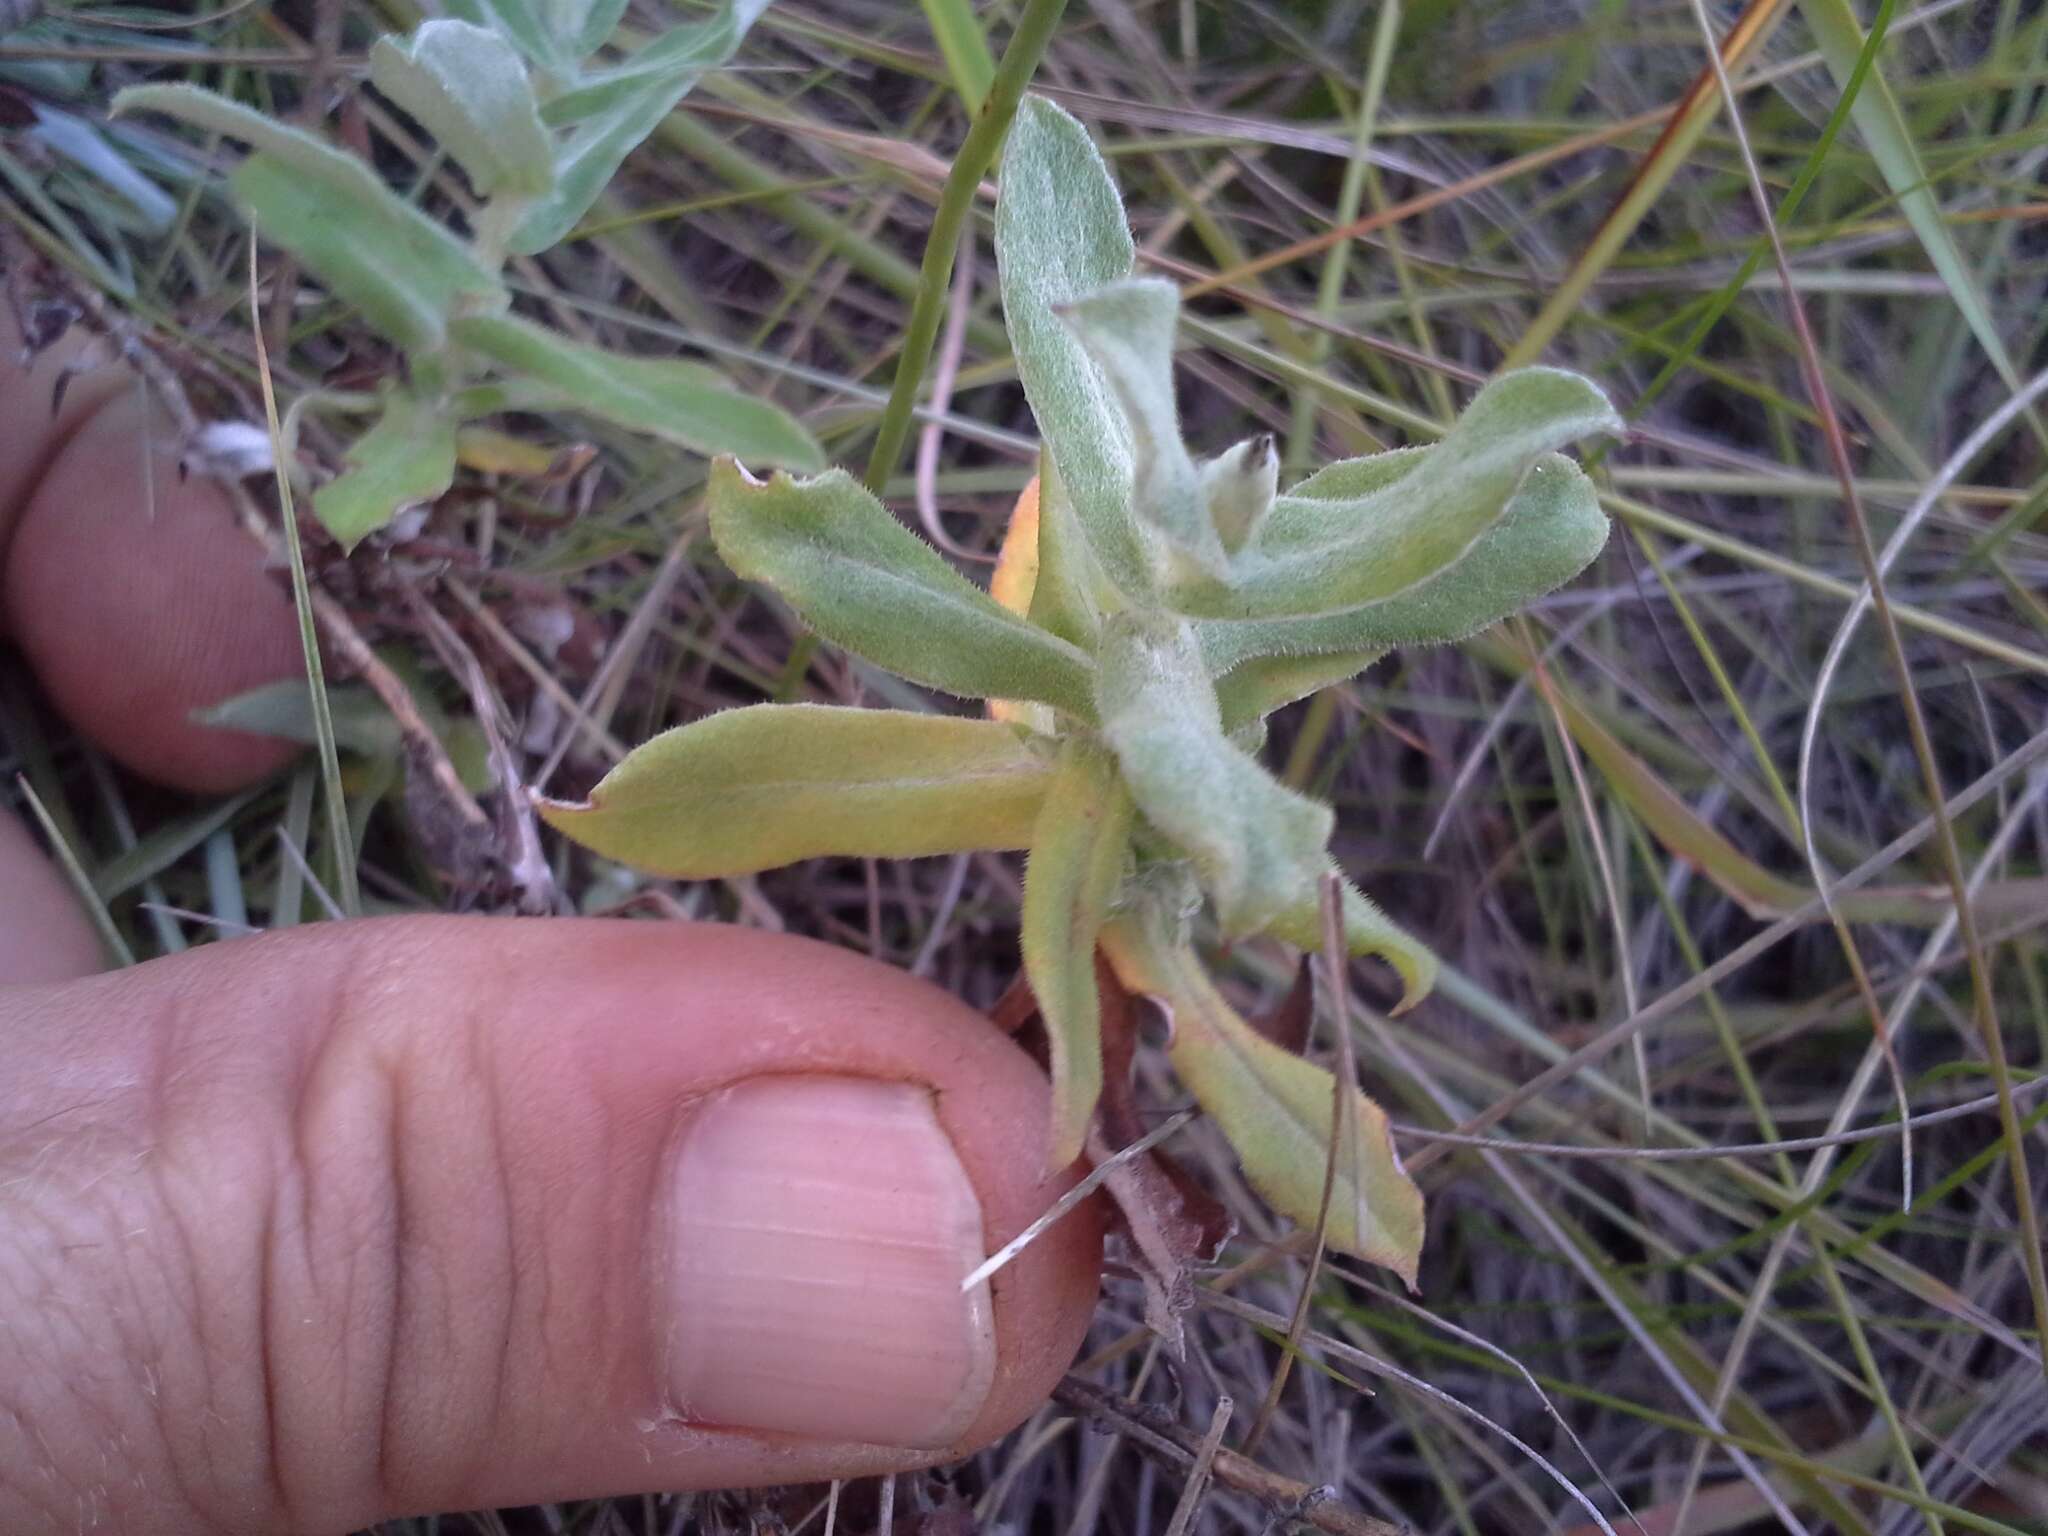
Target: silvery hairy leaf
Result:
[[866, 582], [467, 86], [376, 251], [1342, 540], [1552, 529], [1061, 235], [1257, 846]]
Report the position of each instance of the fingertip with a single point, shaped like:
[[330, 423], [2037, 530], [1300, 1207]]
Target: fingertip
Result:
[[138, 602], [708, 1197]]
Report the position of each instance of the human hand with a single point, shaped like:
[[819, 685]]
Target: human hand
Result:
[[362, 1219]]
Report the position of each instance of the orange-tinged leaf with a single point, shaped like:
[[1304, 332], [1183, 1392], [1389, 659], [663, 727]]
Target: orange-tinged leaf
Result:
[[1016, 573], [1014, 580]]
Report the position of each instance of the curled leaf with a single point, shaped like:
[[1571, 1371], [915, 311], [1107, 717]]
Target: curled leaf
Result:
[[756, 788], [1551, 531], [1253, 689], [1363, 532], [1367, 931], [1128, 329], [864, 581], [1238, 487], [1076, 864]]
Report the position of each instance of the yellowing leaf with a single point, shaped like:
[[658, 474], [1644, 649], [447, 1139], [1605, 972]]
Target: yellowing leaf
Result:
[[1070, 879], [1010, 584], [1016, 571], [1277, 1109], [755, 788]]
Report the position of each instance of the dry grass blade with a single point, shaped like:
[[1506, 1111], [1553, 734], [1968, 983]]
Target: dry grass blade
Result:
[[1083, 1188], [1169, 1440], [340, 840], [2017, 762], [1190, 1501]]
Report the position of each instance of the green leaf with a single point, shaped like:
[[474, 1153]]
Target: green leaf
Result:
[[756, 788], [1552, 530], [1258, 846], [468, 88], [680, 402], [613, 111], [1277, 1109], [1128, 329], [590, 31], [1061, 235], [1071, 878], [864, 581], [523, 23], [1885, 130], [1254, 689], [1238, 487], [1350, 536], [1071, 593], [405, 273], [1367, 931], [406, 458], [969, 64], [362, 724]]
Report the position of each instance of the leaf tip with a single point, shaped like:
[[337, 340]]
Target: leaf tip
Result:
[[727, 467], [562, 815]]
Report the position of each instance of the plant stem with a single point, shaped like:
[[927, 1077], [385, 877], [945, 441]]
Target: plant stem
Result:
[[956, 201]]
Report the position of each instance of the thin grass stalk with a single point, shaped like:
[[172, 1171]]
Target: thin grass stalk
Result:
[[956, 200], [339, 835]]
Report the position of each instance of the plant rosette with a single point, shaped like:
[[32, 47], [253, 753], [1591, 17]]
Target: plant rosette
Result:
[[1150, 610]]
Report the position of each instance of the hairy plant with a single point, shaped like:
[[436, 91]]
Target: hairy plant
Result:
[[1150, 611], [513, 94]]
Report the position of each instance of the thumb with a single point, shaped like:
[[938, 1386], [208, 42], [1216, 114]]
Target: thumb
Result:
[[304, 1231]]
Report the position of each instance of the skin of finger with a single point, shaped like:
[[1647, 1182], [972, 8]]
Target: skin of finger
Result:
[[375, 1232], [138, 601], [44, 934], [34, 431]]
